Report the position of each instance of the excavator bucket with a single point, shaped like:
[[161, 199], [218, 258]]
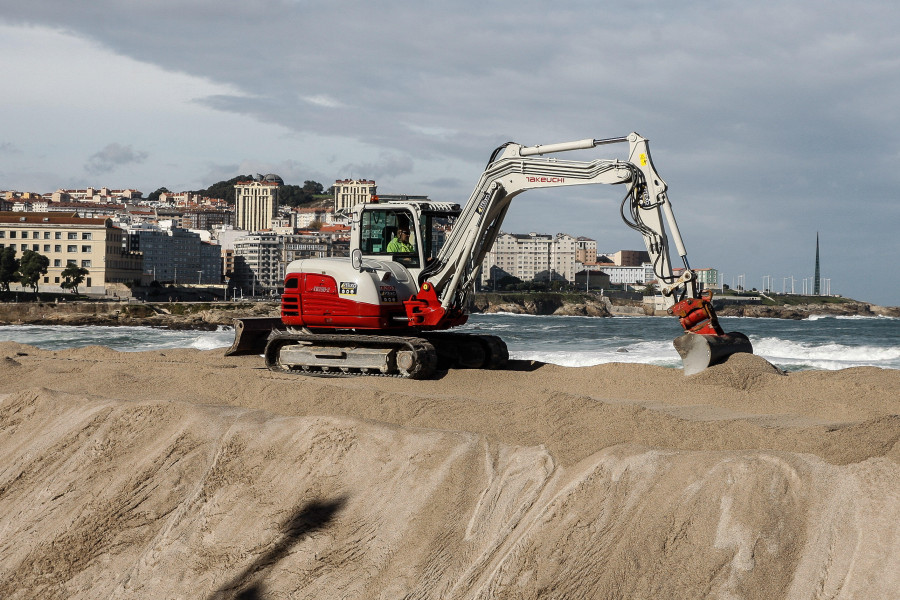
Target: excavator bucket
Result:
[[251, 335], [699, 351], [704, 343]]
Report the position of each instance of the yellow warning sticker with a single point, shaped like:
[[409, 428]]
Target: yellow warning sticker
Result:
[[643, 160]]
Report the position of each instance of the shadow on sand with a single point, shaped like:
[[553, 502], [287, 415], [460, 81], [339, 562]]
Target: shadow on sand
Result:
[[248, 584]]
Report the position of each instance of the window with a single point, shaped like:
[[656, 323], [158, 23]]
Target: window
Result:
[[36, 235], [86, 264], [46, 247], [12, 235], [2, 234], [72, 248], [73, 235], [57, 262], [56, 280], [85, 248], [57, 235], [35, 247], [24, 235], [86, 236], [57, 248], [46, 235]]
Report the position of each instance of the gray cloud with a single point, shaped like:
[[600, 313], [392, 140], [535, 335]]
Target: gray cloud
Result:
[[387, 166], [111, 157], [766, 129]]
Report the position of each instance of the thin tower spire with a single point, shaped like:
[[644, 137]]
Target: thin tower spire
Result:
[[816, 289]]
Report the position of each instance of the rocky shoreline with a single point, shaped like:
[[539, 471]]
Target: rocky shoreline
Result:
[[175, 315], [804, 311], [210, 316]]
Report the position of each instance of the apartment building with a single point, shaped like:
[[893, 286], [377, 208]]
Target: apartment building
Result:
[[628, 258], [256, 203], [94, 244], [302, 218], [91, 194], [629, 275], [348, 192], [175, 255], [258, 261], [206, 218], [585, 250], [708, 278], [257, 264], [531, 257]]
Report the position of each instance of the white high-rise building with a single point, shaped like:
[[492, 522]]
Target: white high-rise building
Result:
[[256, 203], [348, 192]]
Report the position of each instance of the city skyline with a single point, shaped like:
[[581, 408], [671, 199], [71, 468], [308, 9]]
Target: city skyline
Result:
[[809, 285], [754, 121]]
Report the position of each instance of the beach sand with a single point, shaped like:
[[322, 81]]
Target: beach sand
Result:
[[184, 474]]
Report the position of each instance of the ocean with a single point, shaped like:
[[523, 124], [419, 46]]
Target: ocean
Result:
[[826, 343]]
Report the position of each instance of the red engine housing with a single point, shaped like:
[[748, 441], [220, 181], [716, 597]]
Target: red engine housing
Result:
[[312, 300]]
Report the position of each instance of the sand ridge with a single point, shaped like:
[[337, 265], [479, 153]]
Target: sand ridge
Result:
[[183, 474]]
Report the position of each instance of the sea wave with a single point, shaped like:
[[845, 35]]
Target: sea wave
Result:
[[829, 356], [852, 317]]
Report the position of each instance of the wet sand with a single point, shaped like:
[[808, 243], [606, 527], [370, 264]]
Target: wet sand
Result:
[[184, 474]]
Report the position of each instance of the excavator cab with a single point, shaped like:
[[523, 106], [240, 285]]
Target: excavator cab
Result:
[[429, 225]]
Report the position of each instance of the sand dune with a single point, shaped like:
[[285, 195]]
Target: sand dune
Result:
[[183, 474]]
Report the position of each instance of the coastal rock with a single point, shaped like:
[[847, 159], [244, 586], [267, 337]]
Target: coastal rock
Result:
[[804, 311], [170, 315], [549, 304], [586, 309]]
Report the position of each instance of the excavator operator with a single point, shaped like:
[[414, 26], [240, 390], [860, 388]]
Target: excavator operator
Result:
[[401, 243]]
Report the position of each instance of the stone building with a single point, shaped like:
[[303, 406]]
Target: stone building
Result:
[[94, 244]]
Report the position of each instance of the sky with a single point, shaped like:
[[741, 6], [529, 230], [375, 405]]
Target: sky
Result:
[[771, 122]]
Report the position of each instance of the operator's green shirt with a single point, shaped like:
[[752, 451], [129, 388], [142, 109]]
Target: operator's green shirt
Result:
[[395, 245]]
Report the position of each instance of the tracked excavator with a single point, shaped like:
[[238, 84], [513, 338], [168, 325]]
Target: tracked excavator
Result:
[[388, 308]]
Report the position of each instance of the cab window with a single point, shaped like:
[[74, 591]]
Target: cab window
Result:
[[379, 227]]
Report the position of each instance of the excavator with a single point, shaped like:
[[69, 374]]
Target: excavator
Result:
[[386, 309]]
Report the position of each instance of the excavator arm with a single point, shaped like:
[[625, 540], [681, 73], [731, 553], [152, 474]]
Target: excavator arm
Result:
[[512, 169]]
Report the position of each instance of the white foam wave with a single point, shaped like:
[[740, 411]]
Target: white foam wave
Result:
[[851, 317], [826, 355]]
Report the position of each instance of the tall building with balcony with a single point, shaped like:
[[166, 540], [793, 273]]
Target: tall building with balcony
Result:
[[258, 269], [348, 192], [256, 203]]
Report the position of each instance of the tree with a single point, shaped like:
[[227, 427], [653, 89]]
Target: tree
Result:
[[312, 187], [9, 268], [223, 190], [154, 196], [32, 266], [73, 276]]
